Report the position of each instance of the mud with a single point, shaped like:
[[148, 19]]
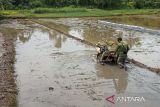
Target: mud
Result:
[[55, 70], [130, 27], [142, 44], [86, 29], [8, 89], [147, 51], [148, 21]]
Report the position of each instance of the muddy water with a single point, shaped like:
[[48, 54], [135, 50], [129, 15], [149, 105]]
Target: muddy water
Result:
[[152, 22], [55, 71], [144, 42], [89, 29]]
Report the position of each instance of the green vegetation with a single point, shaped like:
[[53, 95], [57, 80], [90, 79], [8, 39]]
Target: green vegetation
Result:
[[103, 4], [73, 12], [58, 10], [76, 8]]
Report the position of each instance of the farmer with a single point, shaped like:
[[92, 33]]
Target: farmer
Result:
[[121, 52]]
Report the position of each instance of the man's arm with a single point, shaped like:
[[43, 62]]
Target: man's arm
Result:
[[116, 50]]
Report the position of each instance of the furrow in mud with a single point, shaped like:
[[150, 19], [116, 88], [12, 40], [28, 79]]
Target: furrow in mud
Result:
[[68, 35], [157, 70], [129, 27]]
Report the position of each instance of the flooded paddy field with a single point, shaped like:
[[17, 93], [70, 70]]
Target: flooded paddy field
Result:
[[53, 70], [144, 44]]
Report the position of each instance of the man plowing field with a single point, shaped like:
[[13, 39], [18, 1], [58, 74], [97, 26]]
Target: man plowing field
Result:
[[110, 52], [121, 52]]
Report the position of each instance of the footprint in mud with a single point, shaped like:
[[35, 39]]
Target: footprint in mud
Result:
[[2, 97], [57, 53], [67, 87], [74, 67], [77, 74], [155, 87], [51, 89], [93, 95]]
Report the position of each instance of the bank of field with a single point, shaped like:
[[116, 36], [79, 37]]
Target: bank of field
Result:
[[73, 12]]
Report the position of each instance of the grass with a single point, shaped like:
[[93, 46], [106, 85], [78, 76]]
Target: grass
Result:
[[58, 10], [73, 12]]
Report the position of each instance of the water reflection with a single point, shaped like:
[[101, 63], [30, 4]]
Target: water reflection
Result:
[[77, 32], [58, 40], [25, 36], [89, 30], [94, 36], [118, 76]]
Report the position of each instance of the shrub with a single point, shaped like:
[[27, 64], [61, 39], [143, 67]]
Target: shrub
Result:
[[35, 3], [58, 10]]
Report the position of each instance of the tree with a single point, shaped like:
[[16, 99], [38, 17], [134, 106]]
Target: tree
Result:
[[5, 4], [103, 4], [35, 3]]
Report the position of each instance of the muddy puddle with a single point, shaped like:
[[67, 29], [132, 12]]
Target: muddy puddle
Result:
[[56, 71]]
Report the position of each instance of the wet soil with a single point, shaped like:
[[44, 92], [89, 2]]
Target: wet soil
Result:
[[144, 43], [53, 70], [149, 21], [8, 89]]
